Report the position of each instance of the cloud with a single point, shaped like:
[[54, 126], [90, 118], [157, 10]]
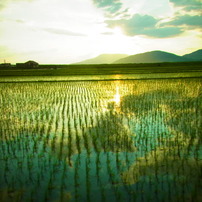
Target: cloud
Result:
[[111, 8], [188, 5], [20, 21], [62, 31], [191, 21], [163, 32], [186, 2], [134, 24], [144, 25]]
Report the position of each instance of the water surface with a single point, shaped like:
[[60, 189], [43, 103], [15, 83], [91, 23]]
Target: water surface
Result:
[[118, 140]]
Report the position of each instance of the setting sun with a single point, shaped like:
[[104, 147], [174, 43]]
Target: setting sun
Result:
[[118, 31]]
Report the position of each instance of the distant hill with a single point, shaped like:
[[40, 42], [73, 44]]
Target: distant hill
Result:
[[196, 55], [103, 59], [153, 57], [156, 56]]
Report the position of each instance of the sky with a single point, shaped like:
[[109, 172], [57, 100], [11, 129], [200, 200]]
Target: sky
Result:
[[69, 31]]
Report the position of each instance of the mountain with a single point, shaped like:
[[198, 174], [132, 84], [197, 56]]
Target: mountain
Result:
[[147, 57], [103, 59], [152, 57], [196, 55]]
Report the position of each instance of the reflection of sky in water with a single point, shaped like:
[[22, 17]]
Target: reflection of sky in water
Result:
[[28, 162], [104, 168], [150, 128]]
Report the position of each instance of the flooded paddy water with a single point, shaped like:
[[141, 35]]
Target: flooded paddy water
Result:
[[115, 140]]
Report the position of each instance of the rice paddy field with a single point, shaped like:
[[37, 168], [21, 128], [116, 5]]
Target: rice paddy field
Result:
[[101, 140]]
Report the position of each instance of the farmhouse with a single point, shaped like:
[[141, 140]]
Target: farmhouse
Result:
[[29, 64]]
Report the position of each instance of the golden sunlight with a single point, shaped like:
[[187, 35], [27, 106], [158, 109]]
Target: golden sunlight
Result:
[[118, 31], [117, 96]]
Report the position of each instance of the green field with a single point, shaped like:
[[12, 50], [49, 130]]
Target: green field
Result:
[[101, 140], [64, 70]]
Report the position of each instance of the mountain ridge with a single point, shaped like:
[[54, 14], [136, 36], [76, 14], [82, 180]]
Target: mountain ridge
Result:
[[196, 55], [103, 59], [156, 56]]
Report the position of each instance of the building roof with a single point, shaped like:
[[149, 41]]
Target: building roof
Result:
[[31, 62]]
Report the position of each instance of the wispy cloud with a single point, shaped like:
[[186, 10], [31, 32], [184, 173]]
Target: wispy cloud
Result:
[[62, 31], [107, 33]]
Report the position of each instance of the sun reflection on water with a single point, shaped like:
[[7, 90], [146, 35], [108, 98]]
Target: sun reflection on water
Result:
[[117, 96]]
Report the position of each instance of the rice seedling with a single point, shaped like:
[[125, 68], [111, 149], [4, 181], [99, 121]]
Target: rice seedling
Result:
[[139, 134]]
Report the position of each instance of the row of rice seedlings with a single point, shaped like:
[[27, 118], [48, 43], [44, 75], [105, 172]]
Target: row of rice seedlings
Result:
[[113, 178], [73, 125], [76, 178], [88, 181], [145, 129], [25, 121], [170, 151], [89, 121]]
